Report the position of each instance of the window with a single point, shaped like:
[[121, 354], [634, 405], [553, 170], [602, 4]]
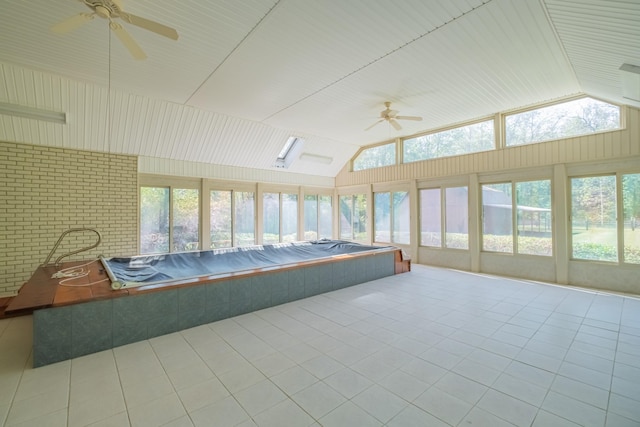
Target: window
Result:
[[353, 217], [594, 233], [289, 217], [220, 219], [325, 220], [533, 201], [456, 217], [280, 217], [318, 215], [374, 157], [154, 220], [232, 218], [186, 219], [169, 219], [430, 219], [497, 218], [382, 217], [631, 206], [271, 218], [244, 218], [568, 119], [461, 140]]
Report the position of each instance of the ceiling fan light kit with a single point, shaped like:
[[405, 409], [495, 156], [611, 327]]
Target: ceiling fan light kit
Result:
[[392, 117], [110, 10]]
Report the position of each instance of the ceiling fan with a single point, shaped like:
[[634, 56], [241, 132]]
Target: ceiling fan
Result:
[[112, 9], [391, 116]]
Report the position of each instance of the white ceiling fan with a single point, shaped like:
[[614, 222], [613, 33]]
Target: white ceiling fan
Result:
[[391, 116], [112, 9]]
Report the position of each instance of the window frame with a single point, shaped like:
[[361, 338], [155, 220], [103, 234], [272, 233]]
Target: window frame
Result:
[[618, 221], [280, 194], [516, 178], [161, 181], [367, 215], [505, 114], [318, 195], [491, 118], [397, 154]]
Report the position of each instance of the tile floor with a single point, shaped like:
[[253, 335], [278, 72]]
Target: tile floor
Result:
[[433, 347]]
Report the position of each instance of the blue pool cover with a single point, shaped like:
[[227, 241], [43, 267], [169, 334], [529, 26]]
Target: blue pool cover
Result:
[[150, 269]]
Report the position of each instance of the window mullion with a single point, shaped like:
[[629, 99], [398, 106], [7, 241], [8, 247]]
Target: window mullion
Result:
[[514, 218], [443, 219]]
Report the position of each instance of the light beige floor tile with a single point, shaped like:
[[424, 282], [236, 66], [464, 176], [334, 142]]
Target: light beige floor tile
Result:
[[508, 408], [147, 391], [478, 417], [241, 378], [190, 375], [318, 399], [348, 382], [404, 385], [157, 412], [294, 379], [273, 364], [461, 387], [285, 413], [202, 394], [259, 397], [380, 403], [348, 415], [226, 412], [91, 411], [413, 416], [443, 406], [55, 419], [118, 420], [36, 406]]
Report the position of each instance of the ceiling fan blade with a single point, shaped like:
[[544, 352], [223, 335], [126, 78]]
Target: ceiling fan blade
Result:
[[416, 118], [379, 121], [127, 41], [395, 124], [156, 27], [72, 23]]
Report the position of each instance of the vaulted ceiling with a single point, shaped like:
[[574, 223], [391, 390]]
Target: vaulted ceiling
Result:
[[245, 75]]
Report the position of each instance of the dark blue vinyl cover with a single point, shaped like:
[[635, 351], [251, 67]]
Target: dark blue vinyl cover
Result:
[[164, 267]]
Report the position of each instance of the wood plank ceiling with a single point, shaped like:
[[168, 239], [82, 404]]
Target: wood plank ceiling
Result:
[[244, 76]]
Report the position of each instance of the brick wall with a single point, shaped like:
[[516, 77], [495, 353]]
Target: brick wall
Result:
[[45, 191]]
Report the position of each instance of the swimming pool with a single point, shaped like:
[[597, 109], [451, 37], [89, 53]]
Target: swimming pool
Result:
[[144, 270], [70, 322]]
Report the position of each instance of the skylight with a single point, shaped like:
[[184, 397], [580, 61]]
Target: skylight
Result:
[[288, 152]]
